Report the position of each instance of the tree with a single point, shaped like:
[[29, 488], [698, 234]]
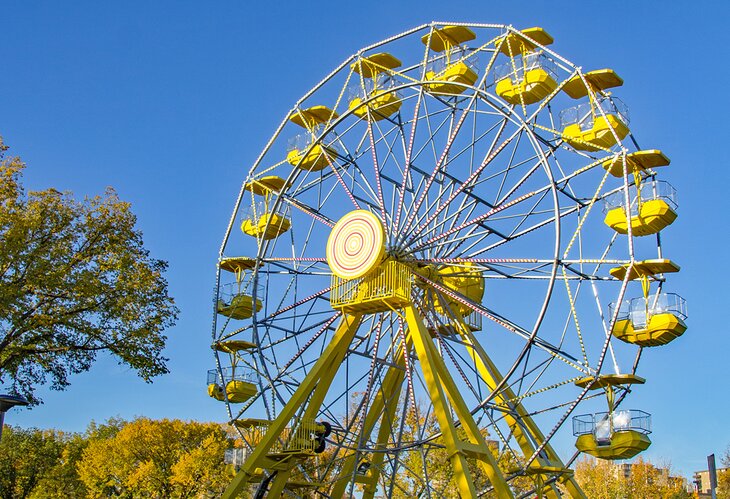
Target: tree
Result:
[[602, 479], [164, 459], [26, 458], [723, 477], [75, 279]]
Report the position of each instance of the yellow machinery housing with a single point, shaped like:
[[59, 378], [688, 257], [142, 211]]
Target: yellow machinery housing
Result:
[[387, 287], [451, 71], [304, 151], [376, 101], [261, 221], [304, 437], [465, 279]]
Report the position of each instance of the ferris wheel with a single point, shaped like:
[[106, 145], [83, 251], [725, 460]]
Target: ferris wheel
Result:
[[447, 253]]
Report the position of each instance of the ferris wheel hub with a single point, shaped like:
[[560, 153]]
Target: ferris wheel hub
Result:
[[356, 244]]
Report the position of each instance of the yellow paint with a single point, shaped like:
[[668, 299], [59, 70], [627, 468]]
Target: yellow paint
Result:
[[533, 87], [637, 162], [653, 216], [240, 307], [644, 268], [447, 37], [312, 159], [599, 136], [623, 445], [384, 104], [268, 226], [660, 330], [458, 72], [598, 80]]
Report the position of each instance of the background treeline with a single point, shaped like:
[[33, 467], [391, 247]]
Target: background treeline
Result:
[[179, 459], [128, 459]]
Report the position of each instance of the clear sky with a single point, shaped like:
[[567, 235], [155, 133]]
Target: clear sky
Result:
[[171, 102]]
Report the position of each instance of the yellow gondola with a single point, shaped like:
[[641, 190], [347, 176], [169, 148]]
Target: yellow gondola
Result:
[[235, 299], [455, 69], [652, 209], [621, 445], [261, 221], [602, 121], [377, 101], [530, 76], [528, 80], [614, 434], [598, 124], [651, 321], [306, 151], [238, 385]]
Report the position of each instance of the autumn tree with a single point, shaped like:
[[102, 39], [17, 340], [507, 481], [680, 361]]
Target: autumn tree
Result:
[[723, 477], [163, 458], [75, 279], [601, 479], [27, 456]]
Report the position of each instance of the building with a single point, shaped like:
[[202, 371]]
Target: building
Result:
[[702, 481]]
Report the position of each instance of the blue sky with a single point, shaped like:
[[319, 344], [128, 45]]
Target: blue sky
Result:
[[171, 102]]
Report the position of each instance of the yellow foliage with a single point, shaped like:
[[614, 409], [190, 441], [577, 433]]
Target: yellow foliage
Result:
[[163, 458], [601, 479]]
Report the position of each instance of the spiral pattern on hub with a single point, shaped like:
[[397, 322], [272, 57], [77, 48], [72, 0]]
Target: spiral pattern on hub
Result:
[[356, 244]]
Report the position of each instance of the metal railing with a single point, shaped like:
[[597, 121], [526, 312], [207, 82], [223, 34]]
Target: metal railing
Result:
[[640, 310], [303, 436], [603, 424], [389, 281]]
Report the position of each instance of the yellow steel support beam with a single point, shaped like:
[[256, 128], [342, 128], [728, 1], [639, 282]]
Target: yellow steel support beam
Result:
[[441, 385], [383, 408], [525, 429], [279, 483], [318, 381]]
